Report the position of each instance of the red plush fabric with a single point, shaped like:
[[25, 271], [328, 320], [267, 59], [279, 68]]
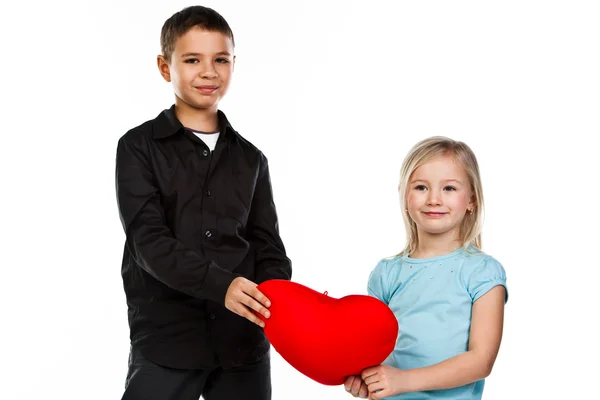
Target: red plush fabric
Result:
[[325, 338]]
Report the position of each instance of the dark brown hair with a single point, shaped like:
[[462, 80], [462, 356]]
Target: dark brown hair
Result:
[[191, 17]]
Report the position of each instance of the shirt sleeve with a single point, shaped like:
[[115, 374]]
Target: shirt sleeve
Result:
[[263, 231], [149, 239], [486, 275], [377, 285]]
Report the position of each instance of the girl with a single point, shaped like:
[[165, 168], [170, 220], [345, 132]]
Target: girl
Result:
[[447, 295]]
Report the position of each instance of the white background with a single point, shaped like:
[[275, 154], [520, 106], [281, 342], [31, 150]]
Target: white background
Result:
[[334, 93]]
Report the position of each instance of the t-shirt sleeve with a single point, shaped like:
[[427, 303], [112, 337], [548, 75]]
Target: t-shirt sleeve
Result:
[[487, 275], [378, 283]]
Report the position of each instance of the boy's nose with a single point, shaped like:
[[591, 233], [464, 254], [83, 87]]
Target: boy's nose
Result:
[[208, 71]]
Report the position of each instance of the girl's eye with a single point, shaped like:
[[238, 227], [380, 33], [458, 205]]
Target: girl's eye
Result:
[[420, 187], [449, 188]]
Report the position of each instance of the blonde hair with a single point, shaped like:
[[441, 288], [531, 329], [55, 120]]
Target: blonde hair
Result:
[[422, 153]]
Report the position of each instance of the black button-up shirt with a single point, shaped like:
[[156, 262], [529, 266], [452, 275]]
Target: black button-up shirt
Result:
[[194, 220]]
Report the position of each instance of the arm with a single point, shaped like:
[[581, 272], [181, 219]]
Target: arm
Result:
[[161, 254], [263, 231], [150, 240], [475, 364]]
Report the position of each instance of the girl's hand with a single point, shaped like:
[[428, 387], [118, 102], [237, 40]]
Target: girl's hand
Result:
[[356, 386], [383, 381]]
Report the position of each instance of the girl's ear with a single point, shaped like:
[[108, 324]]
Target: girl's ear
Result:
[[472, 203]]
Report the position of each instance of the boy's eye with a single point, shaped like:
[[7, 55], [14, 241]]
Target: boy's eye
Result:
[[222, 60], [191, 60]]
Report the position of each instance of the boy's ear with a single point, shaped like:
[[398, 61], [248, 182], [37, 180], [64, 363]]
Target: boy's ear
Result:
[[163, 68]]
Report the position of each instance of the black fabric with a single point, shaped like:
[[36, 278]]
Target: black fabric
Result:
[[194, 220]]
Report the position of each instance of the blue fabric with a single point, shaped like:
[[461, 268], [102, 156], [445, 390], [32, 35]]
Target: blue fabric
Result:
[[432, 299]]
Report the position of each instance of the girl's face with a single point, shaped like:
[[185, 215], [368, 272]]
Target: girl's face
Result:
[[438, 197]]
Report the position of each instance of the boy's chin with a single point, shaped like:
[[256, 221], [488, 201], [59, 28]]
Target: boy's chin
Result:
[[211, 105]]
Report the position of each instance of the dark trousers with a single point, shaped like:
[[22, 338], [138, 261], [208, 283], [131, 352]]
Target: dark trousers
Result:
[[149, 381]]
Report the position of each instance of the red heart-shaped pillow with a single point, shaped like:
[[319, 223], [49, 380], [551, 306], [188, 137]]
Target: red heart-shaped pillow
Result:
[[324, 338]]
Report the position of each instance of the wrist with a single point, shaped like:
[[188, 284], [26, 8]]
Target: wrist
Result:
[[407, 381]]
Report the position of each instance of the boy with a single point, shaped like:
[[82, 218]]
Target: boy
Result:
[[201, 229]]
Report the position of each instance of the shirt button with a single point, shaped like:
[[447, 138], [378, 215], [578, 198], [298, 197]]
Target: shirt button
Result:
[[208, 233], [205, 153], [208, 193], [212, 316]]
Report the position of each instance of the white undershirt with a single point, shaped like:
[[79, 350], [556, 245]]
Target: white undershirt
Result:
[[209, 138]]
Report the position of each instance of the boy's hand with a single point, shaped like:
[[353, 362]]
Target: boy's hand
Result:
[[242, 296], [356, 387]]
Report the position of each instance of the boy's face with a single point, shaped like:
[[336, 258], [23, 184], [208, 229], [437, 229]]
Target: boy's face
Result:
[[200, 68], [439, 195]]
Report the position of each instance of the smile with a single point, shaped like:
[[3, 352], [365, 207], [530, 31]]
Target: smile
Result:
[[434, 214], [207, 89]]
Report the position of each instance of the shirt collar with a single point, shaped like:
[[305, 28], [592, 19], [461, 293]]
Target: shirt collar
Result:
[[167, 124]]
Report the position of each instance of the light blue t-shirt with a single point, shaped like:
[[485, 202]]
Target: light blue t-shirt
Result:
[[432, 299]]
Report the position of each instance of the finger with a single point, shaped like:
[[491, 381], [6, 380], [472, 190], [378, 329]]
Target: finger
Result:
[[381, 394], [372, 379], [348, 383], [363, 393], [243, 311], [356, 387], [258, 295], [374, 387], [368, 372], [256, 306]]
